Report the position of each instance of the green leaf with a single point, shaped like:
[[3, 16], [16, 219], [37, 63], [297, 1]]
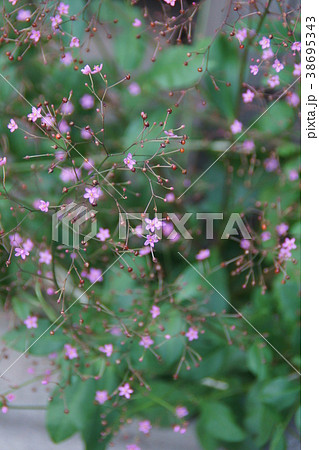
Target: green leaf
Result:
[[279, 117], [21, 308], [258, 358], [217, 421], [281, 392]]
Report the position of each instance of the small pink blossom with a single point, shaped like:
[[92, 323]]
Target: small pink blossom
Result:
[[170, 2], [134, 89], [97, 68], [86, 70], [273, 81], [293, 175], [292, 99], [192, 334], [28, 245], [133, 446], [15, 239], [271, 164], [21, 252], [241, 35], [70, 352], [45, 257], [248, 146], [67, 108], [12, 126], [3, 161], [103, 234], [101, 397], [181, 411], [4, 409], [35, 36], [10, 397], [56, 21], [267, 54], [87, 101], [264, 42], [75, 42], [63, 9], [236, 127], [31, 322], [66, 59], [95, 275], [125, 391], [155, 311], [153, 224], [137, 23], [203, 254], [296, 46], [13, 2], [129, 161], [145, 426], [265, 236], [43, 206], [151, 240], [278, 66], [245, 244], [289, 244], [107, 349], [35, 114], [254, 69], [92, 194], [282, 229], [146, 342], [297, 70], [248, 96]]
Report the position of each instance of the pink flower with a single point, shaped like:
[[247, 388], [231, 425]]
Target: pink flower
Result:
[[181, 411], [203, 254], [45, 257], [55, 21], [101, 397], [95, 275], [125, 391], [254, 69], [146, 342], [67, 108], [297, 70], [12, 125], [192, 334], [63, 9], [293, 175], [151, 240], [129, 161], [13, 2], [21, 252], [264, 42], [134, 89], [103, 234], [28, 245], [248, 146], [267, 54], [133, 446], [10, 397], [66, 59], [107, 349], [43, 206], [3, 161], [273, 81], [155, 311], [35, 114], [70, 174], [86, 134], [97, 69], [248, 96], [87, 101], [236, 127], [245, 244], [296, 46], [265, 236], [35, 36], [4, 409], [15, 239], [289, 244], [278, 66], [86, 70], [271, 164], [31, 322], [282, 229], [137, 23], [145, 426], [153, 224], [292, 99], [170, 2], [70, 352], [241, 35], [179, 429], [75, 42], [92, 194]]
